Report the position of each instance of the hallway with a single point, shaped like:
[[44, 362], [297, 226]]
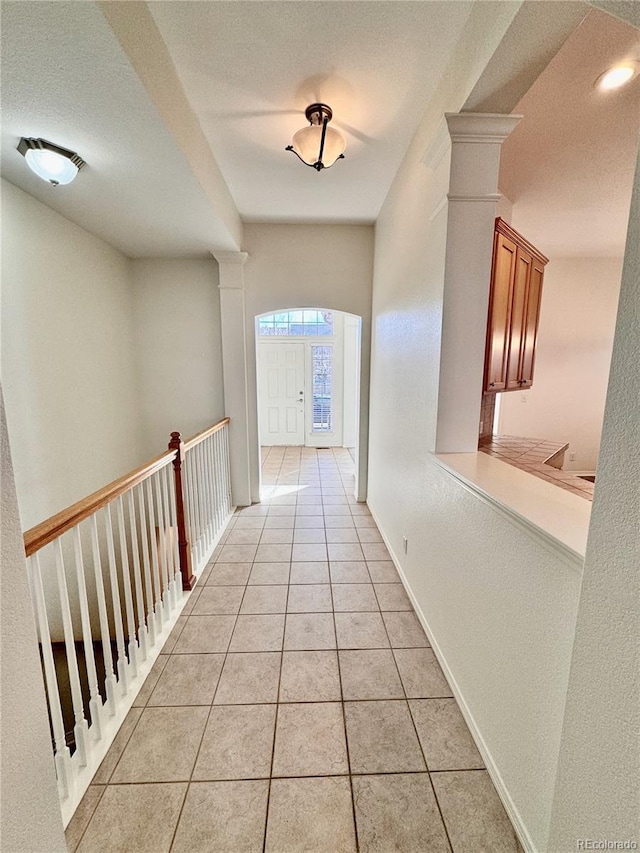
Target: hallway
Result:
[[297, 705]]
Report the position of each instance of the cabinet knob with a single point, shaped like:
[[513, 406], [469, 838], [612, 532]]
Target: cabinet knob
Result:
[[491, 384]]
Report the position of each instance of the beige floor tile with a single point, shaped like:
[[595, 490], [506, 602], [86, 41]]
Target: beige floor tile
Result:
[[360, 631], [237, 553], [258, 634], [473, 814], [82, 816], [249, 522], [354, 596], [263, 574], [237, 743], [188, 680], [309, 598], [140, 818], [192, 599], [360, 509], [309, 631], [310, 677], [244, 537], [375, 551], [309, 553], [370, 674], [309, 536], [281, 536], [382, 738], [444, 736], [310, 740], [392, 596], [163, 747], [279, 522], [172, 639], [309, 509], [339, 522], [229, 574], [265, 599], [273, 554], [281, 511], [334, 500], [150, 681], [218, 600], [205, 635], [311, 815], [398, 812], [345, 552], [349, 571], [249, 678], [309, 522], [369, 534], [361, 521], [421, 674], [342, 535], [404, 630], [223, 817], [383, 571], [117, 747], [303, 573]]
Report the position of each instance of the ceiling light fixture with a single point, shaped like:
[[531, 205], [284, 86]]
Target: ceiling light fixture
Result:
[[318, 146], [50, 162], [617, 76]]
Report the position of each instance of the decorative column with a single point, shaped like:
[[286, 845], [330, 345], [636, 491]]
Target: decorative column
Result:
[[234, 367], [472, 198]]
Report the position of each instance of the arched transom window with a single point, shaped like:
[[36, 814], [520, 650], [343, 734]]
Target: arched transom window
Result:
[[307, 322]]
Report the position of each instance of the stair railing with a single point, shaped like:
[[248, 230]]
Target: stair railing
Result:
[[117, 566]]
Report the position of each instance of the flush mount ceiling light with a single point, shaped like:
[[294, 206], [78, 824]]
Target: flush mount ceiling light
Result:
[[617, 76], [50, 162], [318, 145]]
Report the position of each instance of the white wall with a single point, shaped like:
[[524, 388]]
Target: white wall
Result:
[[598, 784], [573, 354], [499, 606], [30, 819], [316, 266], [351, 381], [178, 347], [67, 357]]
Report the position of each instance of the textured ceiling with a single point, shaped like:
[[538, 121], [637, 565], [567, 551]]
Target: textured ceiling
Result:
[[568, 167], [250, 69]]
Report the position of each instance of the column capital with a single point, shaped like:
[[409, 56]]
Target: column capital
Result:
[[230, 257], [483, 128]]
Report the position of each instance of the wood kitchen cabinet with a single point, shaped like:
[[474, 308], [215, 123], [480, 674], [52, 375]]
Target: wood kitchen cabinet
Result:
[[517, 273]]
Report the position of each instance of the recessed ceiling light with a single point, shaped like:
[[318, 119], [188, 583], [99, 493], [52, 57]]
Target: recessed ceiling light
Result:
[[617, 76], [50, 162]]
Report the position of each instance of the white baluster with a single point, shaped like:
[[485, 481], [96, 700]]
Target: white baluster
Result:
[[217, 467], [144, 533], [80, 728], [173, 509], [155, 559], [202, 468], [193, 524], [211, 480], [110, 678], [227, 471], [123, 678], [168, 536], [162, 551], [95, 700], [132, 646], [62, 753], [137, 575]]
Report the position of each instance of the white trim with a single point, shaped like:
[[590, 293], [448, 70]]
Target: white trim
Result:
[[494, 198], [481, 128], [230, 257], [444, 201], [490, 765], [438, 147]]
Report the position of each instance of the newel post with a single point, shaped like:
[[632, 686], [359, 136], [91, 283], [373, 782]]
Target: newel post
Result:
[[184, 550]]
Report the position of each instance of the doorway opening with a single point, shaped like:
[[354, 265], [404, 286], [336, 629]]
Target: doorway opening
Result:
[[308, 379]]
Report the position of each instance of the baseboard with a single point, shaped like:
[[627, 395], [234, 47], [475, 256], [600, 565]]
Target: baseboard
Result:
[[492, 769]]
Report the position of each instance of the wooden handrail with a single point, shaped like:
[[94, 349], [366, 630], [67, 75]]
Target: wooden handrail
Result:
[[200, 436], [40, 535]]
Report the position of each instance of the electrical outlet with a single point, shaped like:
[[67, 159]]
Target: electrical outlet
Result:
[[572, 457], [405, 544], [523, 398]]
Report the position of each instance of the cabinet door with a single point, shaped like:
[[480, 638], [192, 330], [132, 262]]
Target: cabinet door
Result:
[[504, 265], [531, 324], [518, 319]]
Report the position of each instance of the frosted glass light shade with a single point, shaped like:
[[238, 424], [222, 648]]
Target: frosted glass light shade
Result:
[[50, 166], [306, 144], [616, 77]]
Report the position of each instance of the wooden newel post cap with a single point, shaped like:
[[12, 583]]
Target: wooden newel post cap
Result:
[[176, 444]]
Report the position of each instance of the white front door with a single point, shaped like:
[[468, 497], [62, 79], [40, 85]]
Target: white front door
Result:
[[281, 392]]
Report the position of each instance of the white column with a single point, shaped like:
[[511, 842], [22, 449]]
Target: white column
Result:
[[234, 369], [472, 198]]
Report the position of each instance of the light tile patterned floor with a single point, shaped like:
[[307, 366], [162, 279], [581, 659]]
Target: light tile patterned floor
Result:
[[297, 705]]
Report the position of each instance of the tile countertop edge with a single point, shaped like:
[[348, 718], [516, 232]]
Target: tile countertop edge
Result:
[[557, 518]]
